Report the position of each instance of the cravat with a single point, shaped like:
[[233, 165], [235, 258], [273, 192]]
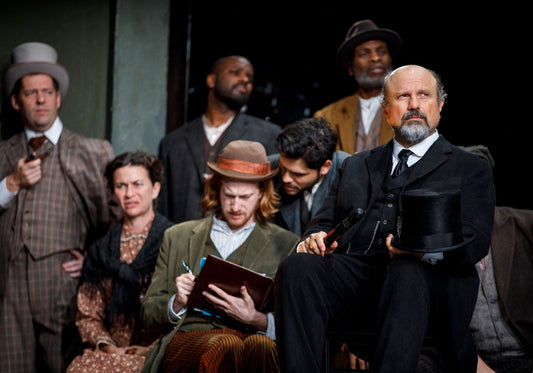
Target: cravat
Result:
[[402, 163], [36, 142]]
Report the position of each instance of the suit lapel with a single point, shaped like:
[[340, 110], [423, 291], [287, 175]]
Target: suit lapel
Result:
[[258, 241], [18, 148], [198, 239], [434, 157], [235, 130], [290, 212], [347, 114], [67, 150], [377, 162], [194, 138]]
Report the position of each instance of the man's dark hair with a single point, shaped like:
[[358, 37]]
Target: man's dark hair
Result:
[[311, 139]]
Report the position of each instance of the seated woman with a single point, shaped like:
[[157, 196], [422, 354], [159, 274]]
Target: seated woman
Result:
[[118, 269]]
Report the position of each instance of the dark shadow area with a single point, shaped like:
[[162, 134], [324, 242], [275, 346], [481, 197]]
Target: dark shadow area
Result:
[[293, 51]]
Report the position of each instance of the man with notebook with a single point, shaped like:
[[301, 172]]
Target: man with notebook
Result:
[[241, 199]]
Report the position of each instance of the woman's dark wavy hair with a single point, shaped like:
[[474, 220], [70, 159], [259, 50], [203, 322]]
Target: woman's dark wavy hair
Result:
[[150, 162], [268, 204]]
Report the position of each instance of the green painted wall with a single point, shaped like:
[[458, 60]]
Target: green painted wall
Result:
[[116, 53], [80, 32]]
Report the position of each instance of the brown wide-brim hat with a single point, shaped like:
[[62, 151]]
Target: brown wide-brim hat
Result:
[[365, 30], [35, 58], [243, 160]]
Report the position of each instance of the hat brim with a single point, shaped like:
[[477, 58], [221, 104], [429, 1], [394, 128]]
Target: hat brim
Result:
[[398, 244], [17, 71], [393, 40], [241, 176]]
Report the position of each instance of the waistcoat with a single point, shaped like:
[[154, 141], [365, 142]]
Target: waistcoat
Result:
[[46, 216]]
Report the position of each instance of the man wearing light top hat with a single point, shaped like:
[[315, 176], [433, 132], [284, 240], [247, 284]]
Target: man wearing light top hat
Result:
[[367, 54], [53, 205], [240, 196]]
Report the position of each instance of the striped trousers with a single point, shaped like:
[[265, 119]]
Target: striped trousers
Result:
[[220, 351]]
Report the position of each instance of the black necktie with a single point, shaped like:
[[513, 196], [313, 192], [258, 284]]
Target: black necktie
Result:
[[305, 214], [402, 163]]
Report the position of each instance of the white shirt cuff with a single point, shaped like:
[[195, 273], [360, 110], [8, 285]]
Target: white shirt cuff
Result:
[[175, 316], [5, 195], [271, 327], [432, 258]]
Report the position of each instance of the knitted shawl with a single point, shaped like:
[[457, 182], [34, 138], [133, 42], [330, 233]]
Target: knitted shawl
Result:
[[128, 280]]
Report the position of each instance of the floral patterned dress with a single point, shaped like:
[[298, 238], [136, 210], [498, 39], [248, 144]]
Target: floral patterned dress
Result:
[[92, 307]]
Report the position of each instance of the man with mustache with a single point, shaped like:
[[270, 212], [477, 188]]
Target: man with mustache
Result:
[[399, 290], [186, 150], [240, 200], [366, 54]]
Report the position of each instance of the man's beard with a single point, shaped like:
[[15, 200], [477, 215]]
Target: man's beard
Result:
[[363, 79], [232, 101], [414, 131]]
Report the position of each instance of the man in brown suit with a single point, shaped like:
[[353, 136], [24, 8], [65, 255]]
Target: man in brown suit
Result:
[[53, 204], [366, 54]]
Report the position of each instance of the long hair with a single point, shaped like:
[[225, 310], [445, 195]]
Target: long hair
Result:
[[268, 204]]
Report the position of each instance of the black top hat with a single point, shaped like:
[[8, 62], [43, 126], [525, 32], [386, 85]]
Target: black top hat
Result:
[[365, 30], [430, 222]]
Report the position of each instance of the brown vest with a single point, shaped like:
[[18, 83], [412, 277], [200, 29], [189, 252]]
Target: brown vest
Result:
[[46, 220], [366, 141]]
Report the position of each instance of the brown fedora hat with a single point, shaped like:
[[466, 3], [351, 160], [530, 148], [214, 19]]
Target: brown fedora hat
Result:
[[35, 58], [243, 160], [365, 30]]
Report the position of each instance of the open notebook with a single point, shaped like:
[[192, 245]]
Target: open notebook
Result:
[[229, 277]]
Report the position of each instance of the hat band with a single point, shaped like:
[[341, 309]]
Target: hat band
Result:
[[243, 166], [435, 241]]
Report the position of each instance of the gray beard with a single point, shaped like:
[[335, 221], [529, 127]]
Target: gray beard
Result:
[[364, 80], [414, 132]]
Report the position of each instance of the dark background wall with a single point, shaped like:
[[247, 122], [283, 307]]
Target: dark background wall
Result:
[[480, 54]]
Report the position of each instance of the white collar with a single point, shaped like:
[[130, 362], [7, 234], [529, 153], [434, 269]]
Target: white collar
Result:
[[418, 149], [52, 134]]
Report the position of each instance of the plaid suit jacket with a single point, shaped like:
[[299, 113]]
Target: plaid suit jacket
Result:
[[81, 162]]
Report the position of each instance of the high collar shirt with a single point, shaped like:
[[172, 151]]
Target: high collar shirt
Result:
[[369, 109], [213, 133], [227, 241], [418, 150], [309, 196]]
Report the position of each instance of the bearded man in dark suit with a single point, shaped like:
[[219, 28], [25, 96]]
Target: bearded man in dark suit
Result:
[[186, 150], [367, 270]]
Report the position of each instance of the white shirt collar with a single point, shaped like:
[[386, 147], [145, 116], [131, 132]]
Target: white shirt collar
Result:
[[213, 133], [418, 149], [52, 134]]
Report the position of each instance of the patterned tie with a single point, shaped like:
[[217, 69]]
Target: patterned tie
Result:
[[36, 142], [402, 163]]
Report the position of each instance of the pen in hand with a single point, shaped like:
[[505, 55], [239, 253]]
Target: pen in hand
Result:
[[187, 268]]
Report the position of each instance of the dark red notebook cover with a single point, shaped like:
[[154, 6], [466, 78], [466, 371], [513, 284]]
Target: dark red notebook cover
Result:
[[230, 277]]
